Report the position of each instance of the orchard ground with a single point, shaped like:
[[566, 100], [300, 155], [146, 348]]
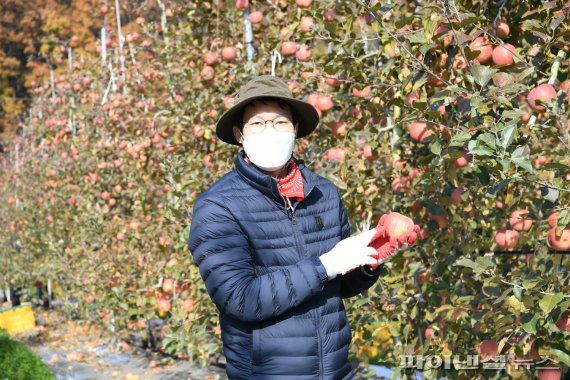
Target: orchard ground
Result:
[[425, 108], [76, 349]]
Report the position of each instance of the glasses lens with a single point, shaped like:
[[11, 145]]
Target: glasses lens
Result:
[[279, 125]]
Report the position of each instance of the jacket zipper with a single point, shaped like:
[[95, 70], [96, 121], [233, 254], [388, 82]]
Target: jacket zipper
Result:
[[313, 311]]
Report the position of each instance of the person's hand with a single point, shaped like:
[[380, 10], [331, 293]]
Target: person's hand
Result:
[[349, 254], [387, 245]]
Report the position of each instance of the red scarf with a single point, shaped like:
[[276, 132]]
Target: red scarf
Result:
[[292, 184]]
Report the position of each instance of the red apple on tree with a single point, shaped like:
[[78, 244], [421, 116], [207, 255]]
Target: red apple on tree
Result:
[[484, 47], [303, 54], [419, 131], [507, 239], [488, 348], [456, 195], [242, 4], [500, 28], [553, 220], [229, 53], [503, 55], [210, 58], [303, 3], [306, 24], [463, 160], [520, 220], [559, 243], [361, 93], [324, 103], [256, 17], [544, 92], [288, 48]]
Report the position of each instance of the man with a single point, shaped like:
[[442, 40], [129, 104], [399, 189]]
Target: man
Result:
[[271, 239]]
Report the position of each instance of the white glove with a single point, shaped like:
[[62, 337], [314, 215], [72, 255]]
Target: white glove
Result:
[[349, 254]]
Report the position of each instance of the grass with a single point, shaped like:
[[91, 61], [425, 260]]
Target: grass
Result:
[[19, 363]]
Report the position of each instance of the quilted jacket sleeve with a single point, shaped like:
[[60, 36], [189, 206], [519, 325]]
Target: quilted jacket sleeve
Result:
[[222, 252], [354, 282]]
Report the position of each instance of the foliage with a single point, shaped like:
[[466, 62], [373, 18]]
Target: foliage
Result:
[[98, 191]]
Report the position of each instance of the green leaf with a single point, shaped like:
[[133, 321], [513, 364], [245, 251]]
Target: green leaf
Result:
[[561, 355], [436, 147], [506, 164], [459, 139], [488, 139], [528, 322], [482, 74], [508, 135], [555, 165], [513, 114], [476, 148], [483, 175], [521, 76], [470, 20], [521, 158], [549, 301], [564, 218], [470, 264], [417, 38], [518, 292], [430, 24], [424, 48], [494, 190]]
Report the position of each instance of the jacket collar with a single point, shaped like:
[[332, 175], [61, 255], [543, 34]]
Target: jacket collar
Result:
[[266, 183]]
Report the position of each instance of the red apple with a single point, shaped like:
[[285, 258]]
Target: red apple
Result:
[[361, 93], [332, 81], [242, 4], [563, 323], [456, 195], [553, 220], [520, 220], [500, 28], [543, 92], [328, 15], [255, 17], [484, 47], [306, 23], [419, 131], [288, 48], [445, 38], [463, 160], [507, 239], [503, 55], [303, 3], [324, 103], [488, 347], [561, 243], [210, 58], [229, 53], [303, 54]]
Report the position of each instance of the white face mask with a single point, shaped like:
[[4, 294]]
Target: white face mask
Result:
[[269, 150]]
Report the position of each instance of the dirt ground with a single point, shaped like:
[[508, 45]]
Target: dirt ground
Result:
[[79, 351], [76, 350]]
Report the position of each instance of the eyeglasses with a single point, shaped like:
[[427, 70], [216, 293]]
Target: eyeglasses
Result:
[[259, 126]]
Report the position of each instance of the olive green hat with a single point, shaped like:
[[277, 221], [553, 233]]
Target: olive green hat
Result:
[[266, 86]]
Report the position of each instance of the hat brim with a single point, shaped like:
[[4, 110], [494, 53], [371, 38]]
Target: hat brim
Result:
[[304, 113]]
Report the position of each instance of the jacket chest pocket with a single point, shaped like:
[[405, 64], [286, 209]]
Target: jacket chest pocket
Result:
[[255, 347]]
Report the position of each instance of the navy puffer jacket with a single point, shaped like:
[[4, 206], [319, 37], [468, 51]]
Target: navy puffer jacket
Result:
[[280, 316]]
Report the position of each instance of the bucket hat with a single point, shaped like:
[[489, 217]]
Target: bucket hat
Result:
[[266, 86]]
